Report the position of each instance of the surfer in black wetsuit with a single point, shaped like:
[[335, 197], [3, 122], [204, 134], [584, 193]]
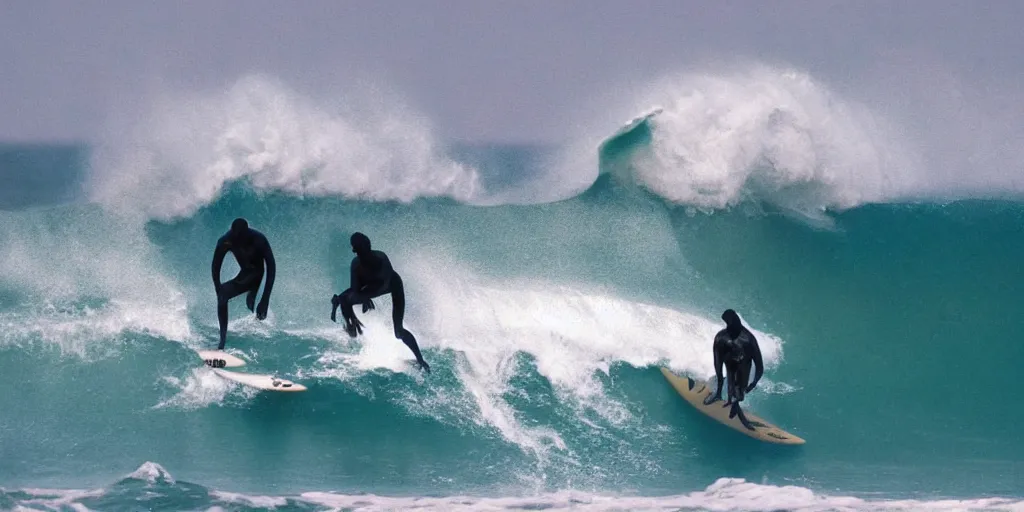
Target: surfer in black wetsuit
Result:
[[372, 276], [736, 347], [251, 250]]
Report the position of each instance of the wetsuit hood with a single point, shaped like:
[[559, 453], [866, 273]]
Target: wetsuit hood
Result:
[[360, 243], [239, 226], [732, 322], [239, 230]]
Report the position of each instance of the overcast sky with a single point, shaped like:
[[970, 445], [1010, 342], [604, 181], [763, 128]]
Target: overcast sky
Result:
[[479, 69]]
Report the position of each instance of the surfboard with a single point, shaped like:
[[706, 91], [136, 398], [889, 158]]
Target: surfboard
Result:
[[220, 359], [696, 391], [260, 381]]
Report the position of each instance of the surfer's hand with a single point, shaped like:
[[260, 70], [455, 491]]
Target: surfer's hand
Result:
[[368, 305], [353, 327], [335, 302], [713, 398], [261, 310]]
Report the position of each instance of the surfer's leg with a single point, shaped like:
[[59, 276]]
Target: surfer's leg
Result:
[[730, 383], [737, 411], [742, 379], [250, 298], [737, 390], [398, 316], [228, 291]]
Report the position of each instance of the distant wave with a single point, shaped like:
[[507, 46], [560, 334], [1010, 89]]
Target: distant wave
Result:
[[760, 134], [178, 154]]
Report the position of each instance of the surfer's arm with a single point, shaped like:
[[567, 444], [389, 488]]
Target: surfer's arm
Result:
[[758, 363], [218, 260], [718, 369], [354, 283], [268, 258], [717, 395]]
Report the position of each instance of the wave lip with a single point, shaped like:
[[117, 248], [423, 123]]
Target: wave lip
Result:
[[180, 154], [778, 136]]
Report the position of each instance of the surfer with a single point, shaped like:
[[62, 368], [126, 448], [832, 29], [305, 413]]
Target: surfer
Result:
[[251, 250], [736, 347], [372, 276]]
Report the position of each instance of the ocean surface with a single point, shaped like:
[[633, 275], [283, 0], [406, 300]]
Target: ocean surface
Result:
[[546, 286]]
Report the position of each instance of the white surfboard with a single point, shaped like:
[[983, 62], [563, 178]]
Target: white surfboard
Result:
[[220, 359], [259, 381]]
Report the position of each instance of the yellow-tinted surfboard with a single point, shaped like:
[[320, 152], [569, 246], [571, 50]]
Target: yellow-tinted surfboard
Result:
[[696, 391]]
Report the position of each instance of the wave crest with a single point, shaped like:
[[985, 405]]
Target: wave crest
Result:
[[762, 134], [181, 153]]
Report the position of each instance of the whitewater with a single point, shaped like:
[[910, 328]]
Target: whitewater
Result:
[[546, 286]]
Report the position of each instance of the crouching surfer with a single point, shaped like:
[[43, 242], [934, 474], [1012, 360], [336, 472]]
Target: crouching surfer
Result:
[[736, 348], [372, 276]]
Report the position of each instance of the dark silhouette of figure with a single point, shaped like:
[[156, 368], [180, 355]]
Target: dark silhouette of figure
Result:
[[372, 276], [736, 347], [251, 250]]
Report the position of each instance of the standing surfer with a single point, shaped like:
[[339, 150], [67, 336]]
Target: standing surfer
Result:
[[372, 276], [251, 250], [736, 347]]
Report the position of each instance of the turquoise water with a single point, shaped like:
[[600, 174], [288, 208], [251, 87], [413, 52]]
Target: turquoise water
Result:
[[888, 330]]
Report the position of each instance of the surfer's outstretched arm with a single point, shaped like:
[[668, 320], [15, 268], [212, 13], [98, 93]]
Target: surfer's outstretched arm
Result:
[[219, 251], [717, 395], [755, 354]]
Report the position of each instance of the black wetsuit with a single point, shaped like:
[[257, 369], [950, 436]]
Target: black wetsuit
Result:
[[737, 352], [251, 250], [736, 348], [370, 279]]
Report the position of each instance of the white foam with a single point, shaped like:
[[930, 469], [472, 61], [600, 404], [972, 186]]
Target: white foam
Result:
[[87, 332], [726, 494], [202, 388], [771, 134], [84, 277], [250, 501], [179, 154], [151, 473], [574, 336], [57, 499]]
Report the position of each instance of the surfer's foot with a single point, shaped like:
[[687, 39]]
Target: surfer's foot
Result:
[[736, 411]]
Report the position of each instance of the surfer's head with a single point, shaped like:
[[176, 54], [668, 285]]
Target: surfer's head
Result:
[[360, 243], [732, 321], [239, 228]]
